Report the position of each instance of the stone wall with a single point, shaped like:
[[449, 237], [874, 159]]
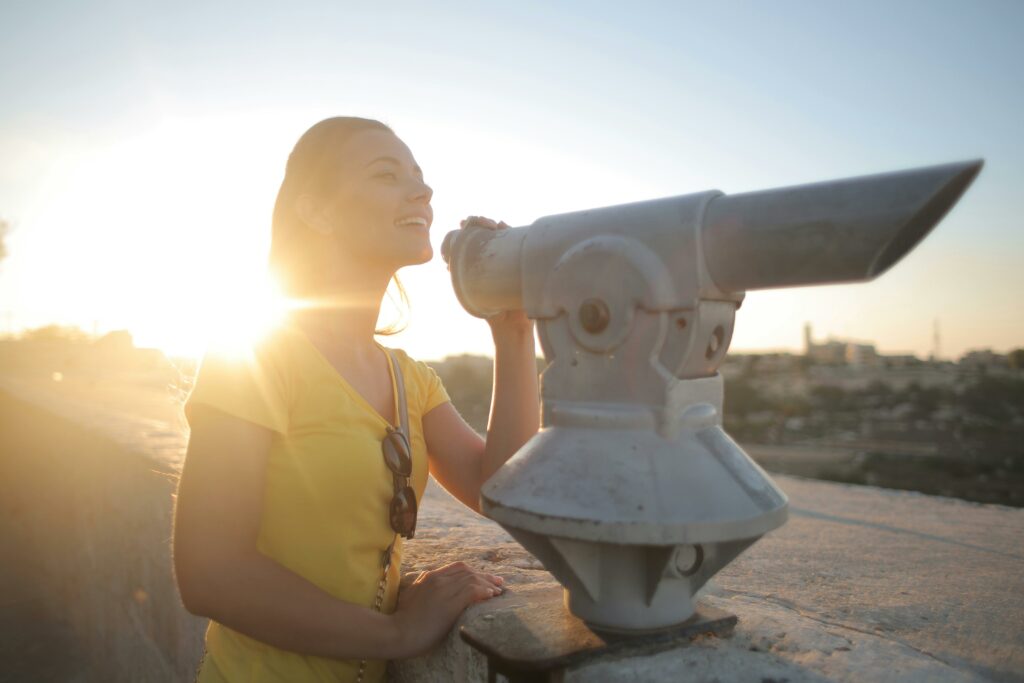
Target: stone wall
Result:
[[97, 521], [861, 584]]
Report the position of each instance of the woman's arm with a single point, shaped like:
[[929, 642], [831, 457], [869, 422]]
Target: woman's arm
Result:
[[222, 575], [515, 402], [459, 459]]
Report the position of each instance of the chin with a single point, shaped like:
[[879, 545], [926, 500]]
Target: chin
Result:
[[416, 258], [425, 255]]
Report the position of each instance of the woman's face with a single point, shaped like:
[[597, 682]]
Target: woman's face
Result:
[[379, 210]]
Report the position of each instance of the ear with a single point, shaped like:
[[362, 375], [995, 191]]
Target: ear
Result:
[[311, 212]]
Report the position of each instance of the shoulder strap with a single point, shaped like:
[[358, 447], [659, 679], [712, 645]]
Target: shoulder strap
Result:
[[403, 416], [403, 409]]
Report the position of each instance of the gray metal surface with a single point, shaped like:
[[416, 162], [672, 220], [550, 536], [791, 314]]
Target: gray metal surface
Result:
[[632, 494], [839, 231]]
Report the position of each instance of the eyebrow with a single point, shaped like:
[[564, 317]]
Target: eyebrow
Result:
[[395, 161]]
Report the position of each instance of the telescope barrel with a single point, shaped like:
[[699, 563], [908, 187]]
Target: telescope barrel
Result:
[[486, 268], [633, 495], [847, 230], [836, 231]]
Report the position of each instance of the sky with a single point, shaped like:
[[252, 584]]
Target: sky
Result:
[[142, 145]]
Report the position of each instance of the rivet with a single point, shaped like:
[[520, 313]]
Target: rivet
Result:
[[715, 342], [594, 315]]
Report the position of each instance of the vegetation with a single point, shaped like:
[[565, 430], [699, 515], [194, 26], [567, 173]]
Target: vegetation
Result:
[[5, 228], [56, 333]]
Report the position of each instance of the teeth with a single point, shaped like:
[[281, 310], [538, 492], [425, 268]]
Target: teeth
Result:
[[414, 220]]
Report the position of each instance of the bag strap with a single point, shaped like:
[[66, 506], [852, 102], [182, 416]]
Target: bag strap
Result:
[[403, 409], [403, 422]]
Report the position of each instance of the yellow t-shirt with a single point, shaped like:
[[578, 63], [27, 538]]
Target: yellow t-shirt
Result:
[[325, 510]]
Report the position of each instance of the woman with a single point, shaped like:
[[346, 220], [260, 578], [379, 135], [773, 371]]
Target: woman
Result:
[[285, 508]]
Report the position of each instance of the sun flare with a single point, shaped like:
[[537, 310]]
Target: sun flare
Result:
[[237, 317]]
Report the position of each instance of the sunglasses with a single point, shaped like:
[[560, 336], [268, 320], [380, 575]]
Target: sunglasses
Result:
[[398, 457]]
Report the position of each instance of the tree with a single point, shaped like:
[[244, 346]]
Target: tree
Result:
[[57, 333], [1016, 359], [5, 227], [828, 398], [742, 397]]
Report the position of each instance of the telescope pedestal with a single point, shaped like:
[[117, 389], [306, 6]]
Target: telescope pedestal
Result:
[[632, 494], [540, 639]]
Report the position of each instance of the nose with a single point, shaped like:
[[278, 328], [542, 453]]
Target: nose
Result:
[[421, 192]]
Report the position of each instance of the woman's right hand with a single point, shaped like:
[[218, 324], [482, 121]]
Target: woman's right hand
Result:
[[429, 606]]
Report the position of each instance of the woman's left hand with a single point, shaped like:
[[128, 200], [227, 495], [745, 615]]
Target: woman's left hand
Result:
[[507, 323]]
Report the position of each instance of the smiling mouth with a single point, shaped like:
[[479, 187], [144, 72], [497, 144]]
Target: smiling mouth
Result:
[[412, 222]]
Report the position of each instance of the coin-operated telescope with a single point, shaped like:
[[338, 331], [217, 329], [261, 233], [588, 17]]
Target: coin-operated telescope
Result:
[[631, 493]]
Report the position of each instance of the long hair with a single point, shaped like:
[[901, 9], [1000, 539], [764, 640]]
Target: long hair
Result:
[[298, 254]]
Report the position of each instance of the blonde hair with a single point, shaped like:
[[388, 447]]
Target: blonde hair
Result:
[[297, 253]]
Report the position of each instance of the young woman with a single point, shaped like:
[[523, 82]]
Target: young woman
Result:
[[293, 490]]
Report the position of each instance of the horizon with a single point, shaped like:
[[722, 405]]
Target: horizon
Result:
[[75, 334], [138, 170]]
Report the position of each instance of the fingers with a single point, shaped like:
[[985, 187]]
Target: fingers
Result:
[[410, 578], [478, 589], [461, 568], [482, 222], [484, 581], [493, 578], [470, 585], [453, 568]]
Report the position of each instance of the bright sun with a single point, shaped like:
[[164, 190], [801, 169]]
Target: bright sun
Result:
[[166, 234], [233, 320], [190, 320]]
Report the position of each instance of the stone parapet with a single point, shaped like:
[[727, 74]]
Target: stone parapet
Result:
[[862, 584]]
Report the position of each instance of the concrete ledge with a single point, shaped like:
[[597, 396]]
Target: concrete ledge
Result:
[[862, 584], [95, 523]]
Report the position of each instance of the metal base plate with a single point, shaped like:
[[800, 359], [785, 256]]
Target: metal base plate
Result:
[[538, 638]]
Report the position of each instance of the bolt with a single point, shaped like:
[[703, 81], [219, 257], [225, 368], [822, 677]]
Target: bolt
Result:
[[688, 559], [715, 342], [594, 315]]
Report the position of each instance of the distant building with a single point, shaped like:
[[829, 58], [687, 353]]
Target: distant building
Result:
[[984, 358], [861, 354], [839, 352], [771, 363]]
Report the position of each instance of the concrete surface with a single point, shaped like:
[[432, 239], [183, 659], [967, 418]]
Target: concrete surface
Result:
[[30, 631], [862, 584], [86, 587]]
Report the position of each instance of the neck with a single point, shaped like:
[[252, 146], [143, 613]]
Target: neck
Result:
[[344, 317]]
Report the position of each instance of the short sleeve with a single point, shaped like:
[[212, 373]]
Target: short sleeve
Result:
[[434, 393], [247, 385]]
